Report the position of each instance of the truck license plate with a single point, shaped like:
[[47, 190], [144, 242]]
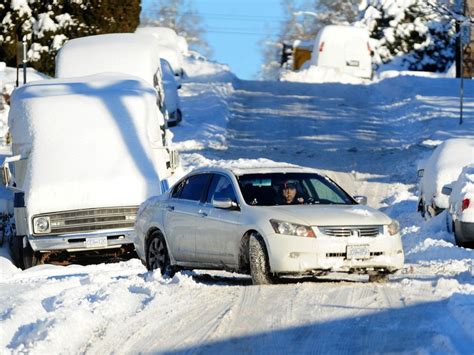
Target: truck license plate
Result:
[[352, 63], [96, 242], [358, 252]]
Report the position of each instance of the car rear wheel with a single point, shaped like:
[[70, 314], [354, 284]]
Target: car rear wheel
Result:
[[157, 256], [259, 265]]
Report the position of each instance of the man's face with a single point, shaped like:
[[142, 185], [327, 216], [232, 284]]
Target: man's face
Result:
[[289, 193]]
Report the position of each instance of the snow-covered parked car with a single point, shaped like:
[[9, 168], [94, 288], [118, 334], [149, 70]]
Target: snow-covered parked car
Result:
[[442, 168], [168, 38], [86, 153], [461, 206], [127, 53], [345, 48], [240, 219], [172, 101]]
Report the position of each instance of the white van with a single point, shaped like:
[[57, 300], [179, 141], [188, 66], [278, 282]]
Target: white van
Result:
[[86, 152], [345, 48], [126, 53], [129, 53]]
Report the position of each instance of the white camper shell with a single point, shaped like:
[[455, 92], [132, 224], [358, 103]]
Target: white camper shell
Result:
[[87, 152], [345, 48]]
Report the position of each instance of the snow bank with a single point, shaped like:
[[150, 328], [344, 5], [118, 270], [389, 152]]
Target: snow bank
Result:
[[89, 140], [316, 74], [199, 68], [444, 167], [126, 53], [463, 188]]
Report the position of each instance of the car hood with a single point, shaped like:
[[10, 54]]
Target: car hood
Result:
[[329, 215]]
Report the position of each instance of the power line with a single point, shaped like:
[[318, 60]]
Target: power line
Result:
[[244, 16], [240, 33]]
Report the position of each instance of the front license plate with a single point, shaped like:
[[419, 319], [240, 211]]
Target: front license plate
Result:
[[96, 242], [352, 63], [358, 252]]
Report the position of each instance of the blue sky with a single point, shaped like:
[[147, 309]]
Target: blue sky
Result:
[[235, 30]]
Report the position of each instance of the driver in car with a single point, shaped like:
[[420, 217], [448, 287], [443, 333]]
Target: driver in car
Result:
[[289, 194]]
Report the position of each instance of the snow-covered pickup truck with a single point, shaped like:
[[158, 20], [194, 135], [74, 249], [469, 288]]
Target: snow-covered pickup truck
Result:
[[86, 152]]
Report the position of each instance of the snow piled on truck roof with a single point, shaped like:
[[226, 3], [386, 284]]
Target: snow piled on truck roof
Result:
[[127, 53], [89, 142]]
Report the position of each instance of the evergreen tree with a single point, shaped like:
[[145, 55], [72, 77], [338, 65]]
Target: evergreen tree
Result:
[[47, 25], [181, 16], [412, 33]]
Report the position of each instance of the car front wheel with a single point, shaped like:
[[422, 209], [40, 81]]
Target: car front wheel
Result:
[[157, 256], [259, 265]]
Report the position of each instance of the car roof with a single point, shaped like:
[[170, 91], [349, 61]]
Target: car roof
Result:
[[266, 169]]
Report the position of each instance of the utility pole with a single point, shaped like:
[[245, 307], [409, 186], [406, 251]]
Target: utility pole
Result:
[[467, 57]]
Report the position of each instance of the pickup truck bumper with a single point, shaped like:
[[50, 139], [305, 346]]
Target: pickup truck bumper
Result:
[[106, 239]]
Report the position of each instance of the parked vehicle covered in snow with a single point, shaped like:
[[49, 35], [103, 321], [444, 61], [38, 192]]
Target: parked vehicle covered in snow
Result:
[[172, 101], [126, 53], [86, 152], [345, 48], [168, 38], [442, 168], [267, 222], [461, 206]]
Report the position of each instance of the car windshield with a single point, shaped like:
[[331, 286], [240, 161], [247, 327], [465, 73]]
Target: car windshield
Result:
[[278, 189]]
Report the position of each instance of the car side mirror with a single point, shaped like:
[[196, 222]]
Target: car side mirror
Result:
[[223, 203], [447, 190], [420, 173], [361, 200]]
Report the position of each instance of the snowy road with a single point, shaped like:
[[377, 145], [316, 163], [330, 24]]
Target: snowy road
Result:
[[370, 138]]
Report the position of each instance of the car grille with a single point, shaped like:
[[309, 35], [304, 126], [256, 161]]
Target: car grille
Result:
[[93, 219], [361, 231]]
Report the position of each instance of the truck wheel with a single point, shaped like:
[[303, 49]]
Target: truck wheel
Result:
[[30, 257], [259, 265], [378, 277], [157, 256]]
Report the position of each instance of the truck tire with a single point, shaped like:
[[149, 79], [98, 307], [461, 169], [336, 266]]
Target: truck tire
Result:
[[259, 264], [30, 257]]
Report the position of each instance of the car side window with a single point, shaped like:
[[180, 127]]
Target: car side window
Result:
[[221, 187], [194, 187], [177, 189]]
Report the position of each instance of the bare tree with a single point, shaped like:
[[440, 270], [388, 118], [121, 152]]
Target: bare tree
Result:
[[181, 16]]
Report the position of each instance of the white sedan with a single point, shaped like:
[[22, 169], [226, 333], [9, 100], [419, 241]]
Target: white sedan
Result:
[[267, 222]]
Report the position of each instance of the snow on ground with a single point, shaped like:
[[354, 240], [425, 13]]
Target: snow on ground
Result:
[[370, 138]]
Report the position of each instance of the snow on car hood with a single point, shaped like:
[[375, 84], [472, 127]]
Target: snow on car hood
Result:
[[330, 215]]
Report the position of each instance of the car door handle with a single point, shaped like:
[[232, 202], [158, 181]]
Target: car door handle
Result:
[[170, 208], [202, 213]]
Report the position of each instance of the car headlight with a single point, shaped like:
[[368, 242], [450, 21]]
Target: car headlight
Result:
[[394, 227], [288, 228], [41, 225]]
